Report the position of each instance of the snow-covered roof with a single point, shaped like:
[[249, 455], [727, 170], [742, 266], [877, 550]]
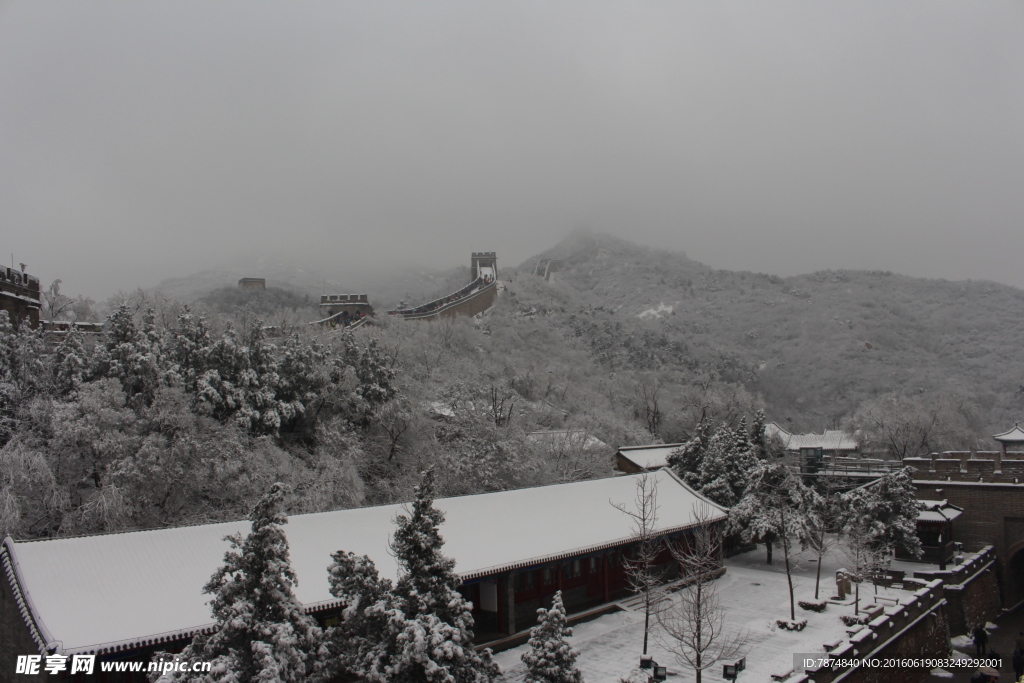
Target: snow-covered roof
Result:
[[938, 511], [1015, 435], [649, 457], [830, 440], [94, 592]]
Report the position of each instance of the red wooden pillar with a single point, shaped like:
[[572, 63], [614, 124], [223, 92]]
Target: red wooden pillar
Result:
[[604, 572], [558, 568], [501, 607], [510, 603]]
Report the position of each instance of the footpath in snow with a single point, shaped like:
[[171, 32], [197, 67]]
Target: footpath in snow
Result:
[[752, 594]]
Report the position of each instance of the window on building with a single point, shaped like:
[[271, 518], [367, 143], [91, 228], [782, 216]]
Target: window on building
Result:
[[549, 576], [593, 565], [577, 568], [524, 581]]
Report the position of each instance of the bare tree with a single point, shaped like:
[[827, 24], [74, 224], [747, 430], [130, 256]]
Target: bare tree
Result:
[[647, 406], [56, 305], [866, 559], [693, 624], [393, 418], [642, 572], [502, 402], [904, 426], [823, 524]]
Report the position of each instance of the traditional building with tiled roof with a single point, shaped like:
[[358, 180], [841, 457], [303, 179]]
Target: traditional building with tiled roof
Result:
[[831, 442], [634, 459], [126, 595]]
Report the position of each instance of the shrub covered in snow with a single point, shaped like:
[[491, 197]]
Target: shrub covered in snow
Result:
[[550, 658], [788, 625], [813, 605], [636, 676]]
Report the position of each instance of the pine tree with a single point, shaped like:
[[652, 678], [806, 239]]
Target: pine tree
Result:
[[757, 436], [436, 640], [428, 582], [422, 630], [131, 355], [190, 348], [551, 659], [717, 464], [885, 512], [262, 633], [774, 508], [68, 364]]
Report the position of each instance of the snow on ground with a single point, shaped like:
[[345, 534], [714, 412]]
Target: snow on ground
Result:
[[659, 311], [753, 596], [962, 642]]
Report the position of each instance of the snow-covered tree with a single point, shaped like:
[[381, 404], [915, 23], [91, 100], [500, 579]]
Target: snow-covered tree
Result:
[[69, 364], [240, 381], [131, 354], [262, 632], [550, 658], [189, 348], [420, 631], [773, 509], [716, 463], [428, 578], [358, 647], [886, 512]]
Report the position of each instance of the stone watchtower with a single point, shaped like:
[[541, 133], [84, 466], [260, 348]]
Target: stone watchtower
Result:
[[20, 295], [252, 283], [484, 263]]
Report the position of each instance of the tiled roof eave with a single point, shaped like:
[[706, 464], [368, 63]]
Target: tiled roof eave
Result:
[[576, 552], [166, 637], [1015, 435], [37, 629]]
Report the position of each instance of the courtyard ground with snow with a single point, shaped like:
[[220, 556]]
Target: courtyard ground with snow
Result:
[[753, 595]]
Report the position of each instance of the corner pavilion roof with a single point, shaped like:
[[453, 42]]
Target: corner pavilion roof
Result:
[[1015, 435], [116, 591]]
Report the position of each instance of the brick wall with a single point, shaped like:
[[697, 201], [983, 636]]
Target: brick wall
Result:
[[993, 515], [971, 591], [917, 629]]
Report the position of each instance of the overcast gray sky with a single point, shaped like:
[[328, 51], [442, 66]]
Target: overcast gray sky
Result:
[[140, 141]]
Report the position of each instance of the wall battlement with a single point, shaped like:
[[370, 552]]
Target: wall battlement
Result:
[[993, 467]]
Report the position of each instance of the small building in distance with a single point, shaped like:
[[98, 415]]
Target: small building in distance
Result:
[[19, 295], [935, 529], [345, 308], [831, 442], [1011, 439], [636, 459], [252, 283]]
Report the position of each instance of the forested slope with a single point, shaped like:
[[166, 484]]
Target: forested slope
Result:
[[177, 415], [814, 346]]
